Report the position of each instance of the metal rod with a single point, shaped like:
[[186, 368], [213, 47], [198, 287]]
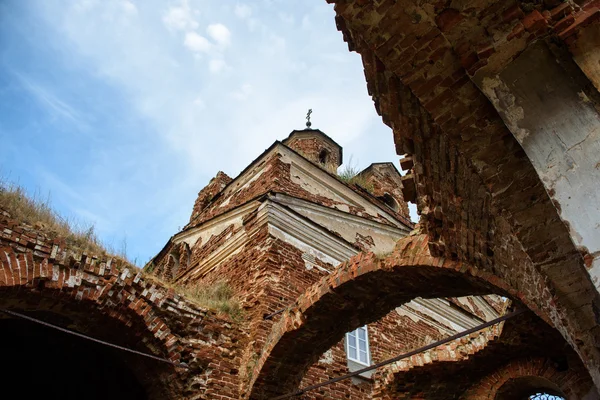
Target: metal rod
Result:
[[269, 316], [116, 346], [402, 356]]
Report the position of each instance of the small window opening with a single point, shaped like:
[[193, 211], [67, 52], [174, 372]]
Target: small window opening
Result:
[[174, 262], [188, 255], [323, 156], [390, 201], [357, 346]]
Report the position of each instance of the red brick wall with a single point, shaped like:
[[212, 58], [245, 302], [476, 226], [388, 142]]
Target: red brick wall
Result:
[[206, 195], [108, 299], [388, 337], [385, 179], [532, 373], [268, 275], [479, 196], [311, 148]]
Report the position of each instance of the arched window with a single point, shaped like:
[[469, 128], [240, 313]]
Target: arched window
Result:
[[323, 156], [545, 396], [188, 253], [529, 388], [390, 201], [174, 262]]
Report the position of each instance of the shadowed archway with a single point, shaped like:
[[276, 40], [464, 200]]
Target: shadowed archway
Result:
[[527, 377], [50, 364], [359, 292], [92, 299]]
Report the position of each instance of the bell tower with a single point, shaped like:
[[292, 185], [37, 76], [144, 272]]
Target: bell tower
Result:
[[316, 146]]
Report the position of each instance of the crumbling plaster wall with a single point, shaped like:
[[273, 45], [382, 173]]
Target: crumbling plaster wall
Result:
[[479, 196], [542, 97], [364, 234], [282, 171]]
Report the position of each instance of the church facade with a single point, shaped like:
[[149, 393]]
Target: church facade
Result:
[[284, 223], [494, 107]]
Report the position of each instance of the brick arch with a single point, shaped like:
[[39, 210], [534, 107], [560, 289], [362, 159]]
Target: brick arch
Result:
[[93, 297], [28, 282], [359, 292], [530, 373], [455, 351], [478, 193]]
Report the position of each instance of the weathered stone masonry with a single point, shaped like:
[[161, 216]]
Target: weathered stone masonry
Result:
[[481, 199]]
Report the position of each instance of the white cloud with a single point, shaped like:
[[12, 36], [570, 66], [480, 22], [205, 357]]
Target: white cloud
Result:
[[243, 92], [56, 107], [242, 11], [217, 65], [306, 23], [196, 43], [184, 102], [198, 102], [220, 34], [180, 18], [129, 7], [286, 18]]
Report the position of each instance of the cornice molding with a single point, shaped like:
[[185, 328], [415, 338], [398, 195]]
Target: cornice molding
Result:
[[230, 215], [296, 203], [337, 187], [440, 310], [309, 233]]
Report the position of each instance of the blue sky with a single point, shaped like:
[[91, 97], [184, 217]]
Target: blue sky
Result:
[[123, 110]]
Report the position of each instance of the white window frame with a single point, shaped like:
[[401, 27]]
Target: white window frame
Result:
[[354, 342]]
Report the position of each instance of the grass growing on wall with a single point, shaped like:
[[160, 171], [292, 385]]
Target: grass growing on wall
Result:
[[217, 296], [37, 211], [350, 175]]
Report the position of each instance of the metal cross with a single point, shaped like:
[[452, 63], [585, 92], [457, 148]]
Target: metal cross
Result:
[[308, 124]]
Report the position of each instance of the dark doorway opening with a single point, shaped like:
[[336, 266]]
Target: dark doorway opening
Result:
[[43, 363]]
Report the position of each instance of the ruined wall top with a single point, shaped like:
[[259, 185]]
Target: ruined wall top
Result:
[[317, 147]]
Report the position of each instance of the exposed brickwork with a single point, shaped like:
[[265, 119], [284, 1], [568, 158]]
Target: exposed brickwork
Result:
[[206, 195], [387, 186], [390, 377], [351, 293], [450, 371], [113, 301], [454, 351], [313, 145], [479, 196], [569, 382]]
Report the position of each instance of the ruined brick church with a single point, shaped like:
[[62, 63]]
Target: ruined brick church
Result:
[[494, 106]]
